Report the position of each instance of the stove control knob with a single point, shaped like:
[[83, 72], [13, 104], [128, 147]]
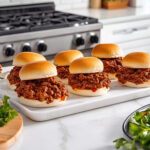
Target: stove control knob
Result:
[[79, 41], [8, 50], [26, 47], [94, 39], [41, 46]]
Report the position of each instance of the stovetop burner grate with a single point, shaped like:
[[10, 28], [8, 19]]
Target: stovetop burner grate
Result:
[[24, 21]]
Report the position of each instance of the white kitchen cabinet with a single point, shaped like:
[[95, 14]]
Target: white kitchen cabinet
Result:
[[126, 31], [131, 36], [138, 49], [136, 45]]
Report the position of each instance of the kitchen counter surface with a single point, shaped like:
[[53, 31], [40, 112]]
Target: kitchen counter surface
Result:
[[92, 130], [114, 16]]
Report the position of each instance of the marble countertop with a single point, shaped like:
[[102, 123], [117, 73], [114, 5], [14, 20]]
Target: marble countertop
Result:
[[114, 16], [91, 130]]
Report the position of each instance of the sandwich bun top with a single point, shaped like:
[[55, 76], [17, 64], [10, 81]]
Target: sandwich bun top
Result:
[[136, 60], [66, 57], [24, 58], [37, 70], [107, 51], [86, 65]]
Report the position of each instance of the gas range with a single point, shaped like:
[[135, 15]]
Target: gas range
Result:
[[40, 28]]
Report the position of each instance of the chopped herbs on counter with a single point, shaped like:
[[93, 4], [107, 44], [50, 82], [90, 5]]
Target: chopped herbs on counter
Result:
[[139, 128], [7, 113], [126, 144]]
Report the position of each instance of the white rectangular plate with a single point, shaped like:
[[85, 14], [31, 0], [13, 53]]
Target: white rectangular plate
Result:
[[76, 104]]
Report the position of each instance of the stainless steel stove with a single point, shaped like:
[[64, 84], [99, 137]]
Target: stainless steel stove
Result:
[[40, 28]]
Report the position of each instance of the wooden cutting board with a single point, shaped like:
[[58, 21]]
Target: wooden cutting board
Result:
[[10, 132]]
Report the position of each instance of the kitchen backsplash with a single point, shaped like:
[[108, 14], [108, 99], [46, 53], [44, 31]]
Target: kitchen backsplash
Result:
[[71, 4], [60, 4]]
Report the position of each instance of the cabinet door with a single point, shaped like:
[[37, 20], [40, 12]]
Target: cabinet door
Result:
[[135, 44], [138, 49], [126, 31]]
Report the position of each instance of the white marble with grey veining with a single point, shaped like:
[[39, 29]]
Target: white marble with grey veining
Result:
[[92, 130]]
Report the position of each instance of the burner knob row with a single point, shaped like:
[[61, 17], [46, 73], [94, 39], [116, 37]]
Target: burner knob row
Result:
[[41, 47], [79, 40], [26, 47]]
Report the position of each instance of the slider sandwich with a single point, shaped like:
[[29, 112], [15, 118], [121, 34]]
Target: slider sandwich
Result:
[[20, 60], [62, 60], [38, 87], [135, 71], [111, 55], [87, 77]]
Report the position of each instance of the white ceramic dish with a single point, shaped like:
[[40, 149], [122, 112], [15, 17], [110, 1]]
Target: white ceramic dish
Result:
[[76, 104]]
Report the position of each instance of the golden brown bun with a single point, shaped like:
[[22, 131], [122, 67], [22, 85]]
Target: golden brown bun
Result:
[[86, 65], [37, 70], [136, 60], [24, 58], [66, 57], [107, 51], [99, 92], [36, 103], [144, 85]]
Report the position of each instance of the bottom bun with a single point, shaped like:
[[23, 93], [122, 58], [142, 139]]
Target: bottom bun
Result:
[[65, 81], [130, 84], [11, 86], [36, 103], [99, 92], [112, 76]]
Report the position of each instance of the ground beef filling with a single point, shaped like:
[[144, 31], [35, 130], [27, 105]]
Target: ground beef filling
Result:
[[63, 71], [13, 76], [137, 76], [0, 68], [112, 65], [90, 81], [46, 89]]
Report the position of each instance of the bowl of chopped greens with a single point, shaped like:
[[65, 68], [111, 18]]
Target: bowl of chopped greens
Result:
[[137, 128]]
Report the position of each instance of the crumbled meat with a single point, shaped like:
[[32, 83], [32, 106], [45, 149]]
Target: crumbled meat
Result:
[[13, 76], [112, 65], [89, 81], [63, 71], [0, 68], [46, 89], [137, 76]]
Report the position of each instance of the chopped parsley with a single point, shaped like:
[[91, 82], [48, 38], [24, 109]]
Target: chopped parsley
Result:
[[7, 113], [139, 128], [126, 144]]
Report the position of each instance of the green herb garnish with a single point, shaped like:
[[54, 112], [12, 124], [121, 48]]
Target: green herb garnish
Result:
[[139, 128], [7, 113], [126, 144]]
